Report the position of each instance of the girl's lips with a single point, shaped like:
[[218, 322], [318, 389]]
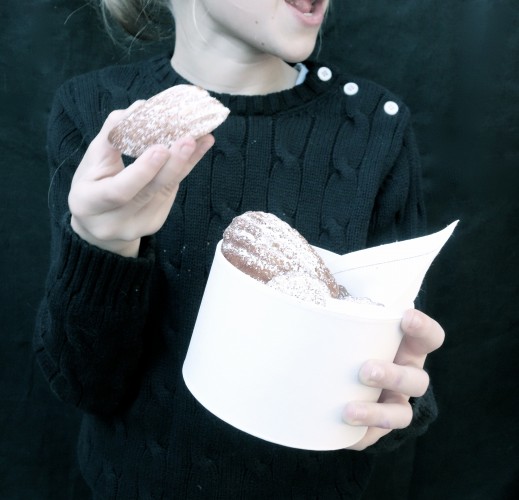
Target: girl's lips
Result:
[[310, 12], [304, 6]]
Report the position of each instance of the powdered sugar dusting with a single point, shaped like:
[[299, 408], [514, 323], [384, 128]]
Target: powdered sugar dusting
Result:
[[301, 286], [166, 117], [264, 247]]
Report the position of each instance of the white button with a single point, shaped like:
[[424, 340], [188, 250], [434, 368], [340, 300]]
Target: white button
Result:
[[391, 108], [324, 73], [351, 88]]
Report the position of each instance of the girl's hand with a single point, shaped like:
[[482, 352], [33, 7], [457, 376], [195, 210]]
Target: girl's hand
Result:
[[400, 380], [112, 207]]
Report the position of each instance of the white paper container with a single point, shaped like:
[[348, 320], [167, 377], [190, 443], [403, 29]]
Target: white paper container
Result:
[[283, 370], [280, 369]]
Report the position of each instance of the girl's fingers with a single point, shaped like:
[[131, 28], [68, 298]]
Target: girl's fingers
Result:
[[94, 193], [185, 154], [422, 334], [393, 411], [407, 380], [399, 380], [132, 184], [158, 171], [371, 437], [154, 176], [387, 415]]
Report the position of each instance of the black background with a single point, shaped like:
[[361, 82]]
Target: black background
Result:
[[456, 64]]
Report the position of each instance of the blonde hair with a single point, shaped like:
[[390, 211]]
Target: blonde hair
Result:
[[141, 19]]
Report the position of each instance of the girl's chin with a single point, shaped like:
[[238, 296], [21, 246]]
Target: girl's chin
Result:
[[298, 54]]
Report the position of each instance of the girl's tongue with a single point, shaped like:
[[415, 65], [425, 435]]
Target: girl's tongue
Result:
[[304, 6]]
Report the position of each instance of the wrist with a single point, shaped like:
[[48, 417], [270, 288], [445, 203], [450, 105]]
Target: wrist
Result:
[[120, 247]]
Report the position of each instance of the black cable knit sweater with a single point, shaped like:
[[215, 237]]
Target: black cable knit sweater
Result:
[[337, 163]]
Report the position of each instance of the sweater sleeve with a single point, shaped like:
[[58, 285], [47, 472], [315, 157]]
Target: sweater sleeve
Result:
[[399, 215], [89, 329], [399, 211]]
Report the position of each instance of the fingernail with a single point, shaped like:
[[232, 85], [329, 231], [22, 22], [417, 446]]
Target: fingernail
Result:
[[186, 149], [376, 374], [371, 373], [412, 320], [355, 414], [159, 157], [206, 142]]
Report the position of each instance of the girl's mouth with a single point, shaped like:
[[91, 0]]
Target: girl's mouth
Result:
[[306, 7]]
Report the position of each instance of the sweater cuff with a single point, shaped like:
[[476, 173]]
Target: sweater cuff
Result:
[[99, 276], [425, 411]]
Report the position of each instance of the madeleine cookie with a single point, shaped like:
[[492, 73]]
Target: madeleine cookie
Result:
[[182, 110], [268, 249]]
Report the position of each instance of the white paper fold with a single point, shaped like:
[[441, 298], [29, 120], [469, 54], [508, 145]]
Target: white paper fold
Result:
[[390, 274], [282, 370]]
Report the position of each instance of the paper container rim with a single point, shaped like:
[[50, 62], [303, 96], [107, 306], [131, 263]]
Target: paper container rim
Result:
[[334, 307]]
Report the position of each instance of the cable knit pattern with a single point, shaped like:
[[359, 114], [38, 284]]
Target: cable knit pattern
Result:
[[112, 332]]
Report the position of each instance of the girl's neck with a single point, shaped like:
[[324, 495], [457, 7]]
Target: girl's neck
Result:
[[225, 76], [219, 63]]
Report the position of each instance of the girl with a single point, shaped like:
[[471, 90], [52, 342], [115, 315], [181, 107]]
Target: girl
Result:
[[332, 154]]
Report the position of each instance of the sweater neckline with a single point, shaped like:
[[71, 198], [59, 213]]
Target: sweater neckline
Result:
[[268, 104]]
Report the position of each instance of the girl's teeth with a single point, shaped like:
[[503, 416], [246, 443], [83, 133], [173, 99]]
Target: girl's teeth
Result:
[[303, 5]]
